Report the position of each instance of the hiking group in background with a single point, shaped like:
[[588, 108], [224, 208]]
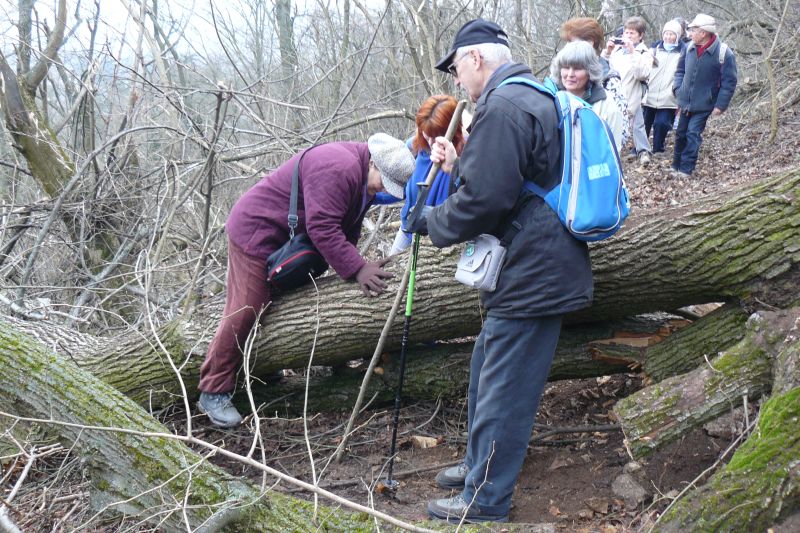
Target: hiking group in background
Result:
[[493, 179]]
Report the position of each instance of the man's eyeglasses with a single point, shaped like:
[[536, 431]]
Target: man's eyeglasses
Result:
[[452, 68]]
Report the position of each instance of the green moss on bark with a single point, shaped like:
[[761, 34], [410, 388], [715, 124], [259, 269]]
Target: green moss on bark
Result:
[[761, 484]]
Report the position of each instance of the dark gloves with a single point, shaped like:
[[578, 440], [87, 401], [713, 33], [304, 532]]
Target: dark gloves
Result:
[[418, 221], [371, 277]]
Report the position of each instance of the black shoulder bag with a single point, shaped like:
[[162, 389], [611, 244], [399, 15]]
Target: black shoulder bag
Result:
[[289, 266]]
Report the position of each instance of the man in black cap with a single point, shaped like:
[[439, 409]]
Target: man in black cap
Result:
[[514, 137]]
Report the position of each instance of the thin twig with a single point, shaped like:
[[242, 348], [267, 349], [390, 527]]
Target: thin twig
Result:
[[188, 439], [337, 456], [305, 402]]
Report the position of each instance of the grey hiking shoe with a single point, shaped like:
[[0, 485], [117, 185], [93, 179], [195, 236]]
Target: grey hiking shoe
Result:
[[454, 509], [219, 409], [453, 477]]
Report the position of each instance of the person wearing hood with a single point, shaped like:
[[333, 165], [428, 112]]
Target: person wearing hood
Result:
[[432, 118], [577, 69], [337, 184], [705, 81], [514, 137], [660, 104]]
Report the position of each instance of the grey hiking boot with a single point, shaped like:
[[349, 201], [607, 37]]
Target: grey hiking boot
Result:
[[219, 409], [454, 509], [453, 477]]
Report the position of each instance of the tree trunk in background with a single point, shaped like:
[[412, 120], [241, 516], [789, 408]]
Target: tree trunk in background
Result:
[[50, 165], [48, 161]]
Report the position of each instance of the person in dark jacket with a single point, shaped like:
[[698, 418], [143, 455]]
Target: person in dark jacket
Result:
[[514, 137], [337, 184], [705, 81]]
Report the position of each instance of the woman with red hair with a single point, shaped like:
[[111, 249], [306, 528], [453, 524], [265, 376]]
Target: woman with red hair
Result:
[[432, 119]]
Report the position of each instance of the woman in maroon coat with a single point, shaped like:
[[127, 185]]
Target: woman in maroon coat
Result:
[[337, 184]]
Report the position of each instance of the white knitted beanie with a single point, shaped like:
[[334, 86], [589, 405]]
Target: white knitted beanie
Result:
[[675, 27]]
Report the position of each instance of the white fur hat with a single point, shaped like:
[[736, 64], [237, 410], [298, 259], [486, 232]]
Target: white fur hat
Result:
[[675, 27], [394, 161], [705, 23]]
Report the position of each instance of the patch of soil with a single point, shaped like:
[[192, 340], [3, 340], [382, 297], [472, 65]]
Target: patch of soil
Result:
[[566, 480]]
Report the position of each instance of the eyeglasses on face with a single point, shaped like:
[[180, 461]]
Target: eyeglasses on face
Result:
[[452, 68]]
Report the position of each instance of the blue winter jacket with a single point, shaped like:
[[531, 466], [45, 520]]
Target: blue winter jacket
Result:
[[437, 193], [702, 83]]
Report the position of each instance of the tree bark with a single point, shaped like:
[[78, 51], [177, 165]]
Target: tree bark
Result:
[[662, 413], [583, 351], [586, 350], [760, 486]]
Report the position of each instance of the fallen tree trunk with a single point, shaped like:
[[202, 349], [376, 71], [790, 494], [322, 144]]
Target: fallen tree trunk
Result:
[[720, 248], [586, 350], [442, 370], [760, 486]]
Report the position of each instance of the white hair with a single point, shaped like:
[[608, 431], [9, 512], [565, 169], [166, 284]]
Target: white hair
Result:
[[493, 54]]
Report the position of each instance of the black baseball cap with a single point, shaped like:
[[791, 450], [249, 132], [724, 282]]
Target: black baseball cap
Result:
[[476, 31]]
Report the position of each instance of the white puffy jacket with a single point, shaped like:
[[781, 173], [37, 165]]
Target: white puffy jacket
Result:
[[659, 91], [634, 70]]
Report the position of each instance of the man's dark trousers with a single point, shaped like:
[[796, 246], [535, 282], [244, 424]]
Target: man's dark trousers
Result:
[[688, 138], [508, 372]]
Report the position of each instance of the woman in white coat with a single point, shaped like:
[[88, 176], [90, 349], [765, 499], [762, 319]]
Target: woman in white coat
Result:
[[629, 56]]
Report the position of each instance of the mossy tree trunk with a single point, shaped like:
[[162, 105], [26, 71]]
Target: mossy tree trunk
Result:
[[134, 473], [760, 485]]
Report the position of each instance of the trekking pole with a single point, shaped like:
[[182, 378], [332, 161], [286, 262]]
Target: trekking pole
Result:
[[455, 121]]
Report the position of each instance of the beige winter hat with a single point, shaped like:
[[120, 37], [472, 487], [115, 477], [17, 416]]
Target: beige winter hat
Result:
[[394, 161], [705, 23]]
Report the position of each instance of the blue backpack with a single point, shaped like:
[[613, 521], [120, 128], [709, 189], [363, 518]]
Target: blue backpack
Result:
[[591, 200]]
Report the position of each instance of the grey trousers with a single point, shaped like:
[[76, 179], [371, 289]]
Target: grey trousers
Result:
[[508, 372], [640, 141]]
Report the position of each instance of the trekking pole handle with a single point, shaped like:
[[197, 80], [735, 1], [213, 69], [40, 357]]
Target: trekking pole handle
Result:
[[455, 122]]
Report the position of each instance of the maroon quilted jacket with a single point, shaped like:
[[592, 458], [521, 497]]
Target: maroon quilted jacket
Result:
[[331, 205]]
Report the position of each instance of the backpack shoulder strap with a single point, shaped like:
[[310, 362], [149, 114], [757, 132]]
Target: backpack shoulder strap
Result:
[[542, 88], [723, 51]]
